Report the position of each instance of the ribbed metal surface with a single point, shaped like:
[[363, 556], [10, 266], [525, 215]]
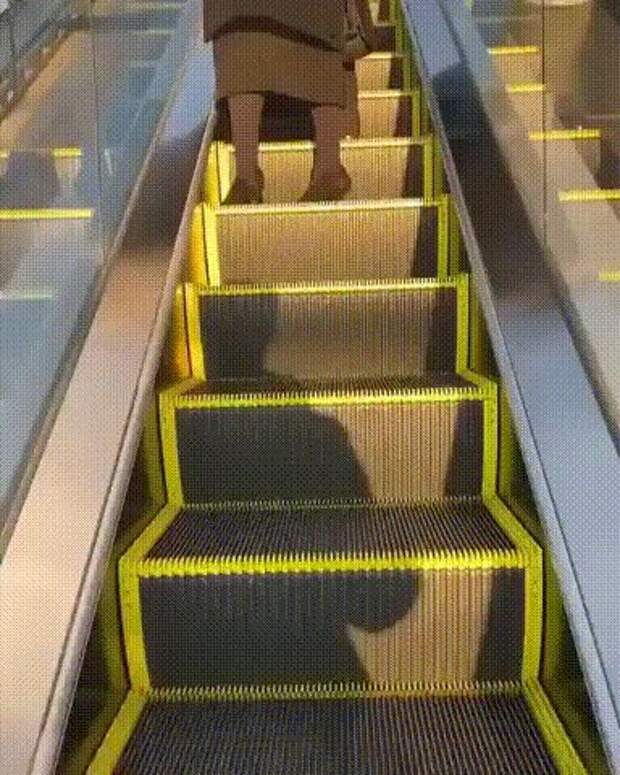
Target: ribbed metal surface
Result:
[[377, 171], [380, 72], [321, 245], [463, 525], [377, 627], [485, 736], [386, 116], [405, 451], [313, 336], [519, 67]]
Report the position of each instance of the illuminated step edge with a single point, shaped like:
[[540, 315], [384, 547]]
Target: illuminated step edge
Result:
[[46, 214]]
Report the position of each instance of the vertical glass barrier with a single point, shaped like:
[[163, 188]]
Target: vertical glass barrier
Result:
[[581, 45], [83, 85]]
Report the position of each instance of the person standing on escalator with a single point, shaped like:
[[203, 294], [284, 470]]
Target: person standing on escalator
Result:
[[304, 50]]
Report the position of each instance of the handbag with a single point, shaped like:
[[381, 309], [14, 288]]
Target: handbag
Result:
[[356, 38]]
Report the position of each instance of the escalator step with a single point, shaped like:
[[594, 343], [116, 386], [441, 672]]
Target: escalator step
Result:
[[340, 331], [303, 596], [320, 242], [389, 113], [380, 70], [518, 64], [421, 736], [379, 169], [411, 439], [570, 158]]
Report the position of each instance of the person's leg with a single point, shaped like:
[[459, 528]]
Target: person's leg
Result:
[[329, 178], [245, 115]]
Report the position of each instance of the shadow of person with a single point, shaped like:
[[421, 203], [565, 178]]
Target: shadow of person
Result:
[[315, 624]]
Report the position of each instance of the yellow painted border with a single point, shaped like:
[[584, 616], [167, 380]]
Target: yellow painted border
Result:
[[462, 323], [443, 235], [565, 134], [590, 195], [609, 276], [211, 245], [56, 153], [212, 185], [558, 743], [526, 88], [167, 421], [507, 51], [197, 263], [194, 332], [45, 214], [118, 735]]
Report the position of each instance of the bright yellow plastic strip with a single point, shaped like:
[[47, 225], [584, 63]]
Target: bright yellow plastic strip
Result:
[[500, 51], [212, 190], [558, 743], [361, 398], [46, 214], [348, 287], [194, 334], [428, 168], [565, 134], [590, 195], [168, 429], [413, 203], [67, 153], [525, 88], [322, 564], [197, 248], [462, 323], [609, 276], [211, 245], [337, 691], [118, 735], [443, 236]]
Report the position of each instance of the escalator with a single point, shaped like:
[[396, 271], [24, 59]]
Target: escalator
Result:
[[336, 583]]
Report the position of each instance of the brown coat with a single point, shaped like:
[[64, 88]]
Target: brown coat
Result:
[[322, 20]]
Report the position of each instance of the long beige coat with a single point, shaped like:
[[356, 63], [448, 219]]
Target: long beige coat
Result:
[[318, 19]]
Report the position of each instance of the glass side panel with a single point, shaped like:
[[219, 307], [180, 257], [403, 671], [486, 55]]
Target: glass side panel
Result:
[[82, 88]]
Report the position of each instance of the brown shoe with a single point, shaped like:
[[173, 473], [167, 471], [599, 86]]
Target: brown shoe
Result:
[[328, 188], [246, 192]]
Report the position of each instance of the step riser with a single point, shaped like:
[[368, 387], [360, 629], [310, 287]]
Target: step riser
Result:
[[385, 334], [390, 627], [327, 245], [391, 116], [402, 451], [387, 172], [375, 74], [519, 68]]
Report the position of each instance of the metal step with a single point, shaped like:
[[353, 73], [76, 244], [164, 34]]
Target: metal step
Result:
[[379, 169], [381, 70], [273, 439], [320, 242], [389, 113], [570, 158], [292, 596], [450, 735], [337, 331], [518, 64]]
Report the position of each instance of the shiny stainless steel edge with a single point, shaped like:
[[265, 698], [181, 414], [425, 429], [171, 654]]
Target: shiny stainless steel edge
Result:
[[55, 561], [570, 453]]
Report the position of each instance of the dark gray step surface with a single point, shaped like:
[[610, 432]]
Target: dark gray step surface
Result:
[[451, 736], [371, 333]]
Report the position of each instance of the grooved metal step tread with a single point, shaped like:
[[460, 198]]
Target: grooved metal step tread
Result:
[[445, 736], [325, 390], [298, 532]]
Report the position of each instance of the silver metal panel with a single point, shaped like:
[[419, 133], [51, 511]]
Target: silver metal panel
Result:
[[57, 555], [568, 444]]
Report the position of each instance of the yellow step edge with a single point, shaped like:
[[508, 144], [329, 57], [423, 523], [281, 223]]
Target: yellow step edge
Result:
[[46, 214], [332, 398], [590, 195], [565, 134], [303, 208], [609, 276], [56, 153], [118, 735], [507, 51], [525, 88]]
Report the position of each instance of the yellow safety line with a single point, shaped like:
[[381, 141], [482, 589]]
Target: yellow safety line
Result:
[[194, 334], [590, 195], [337, 691], [118, 735], [443, 235], [212, 185], [296, 146], [358, 398], [428, 168], [383, 55], [211, 246], [45, 214], [56, 153], [462, 323], [564, 755], [609, 275], [525, 88], [304, 208], [43, 295], [346, 287], [500, 51], [565, 134], [167, 421], [320, 563], [197, 264], [387, 94]]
